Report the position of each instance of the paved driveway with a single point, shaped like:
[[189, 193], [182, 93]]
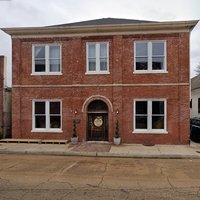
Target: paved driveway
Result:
[[61, 177]]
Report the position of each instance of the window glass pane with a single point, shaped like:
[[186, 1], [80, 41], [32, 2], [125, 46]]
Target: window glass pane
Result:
[[40, 65], [141, 107], [40, 122], [103, 64], [103, 50], [141, 63], [157, 63], [55, 122], [39, 107], [39, 52], [157, 122], [141, 122], [157, 107], [54, 65], [141, 49], [92, 64], [92, 51], [158, 48], [54, 52], [54, 107]]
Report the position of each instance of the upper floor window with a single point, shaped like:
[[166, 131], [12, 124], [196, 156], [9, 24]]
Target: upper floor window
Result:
[[97, 58], [46, 59], [150, 56]]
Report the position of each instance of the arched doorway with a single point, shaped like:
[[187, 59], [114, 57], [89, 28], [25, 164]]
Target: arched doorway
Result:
[[97, 121]]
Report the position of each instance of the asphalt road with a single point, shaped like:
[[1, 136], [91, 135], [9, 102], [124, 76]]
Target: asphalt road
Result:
[[81, 178]]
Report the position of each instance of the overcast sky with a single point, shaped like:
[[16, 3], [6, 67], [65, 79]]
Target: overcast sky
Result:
[[18, 13]]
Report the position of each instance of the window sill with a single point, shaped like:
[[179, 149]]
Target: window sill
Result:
[[97, 73], [150, 72], [154, 132], [46, 130], [46, 74]]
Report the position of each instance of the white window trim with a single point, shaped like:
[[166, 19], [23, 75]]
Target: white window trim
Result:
[[47, 72], [47, 103], [149, 65], [97, 46], [149, 118]]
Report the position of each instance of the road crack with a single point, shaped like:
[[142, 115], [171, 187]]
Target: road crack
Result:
[[104, 172], [126, 192], [172, 187]]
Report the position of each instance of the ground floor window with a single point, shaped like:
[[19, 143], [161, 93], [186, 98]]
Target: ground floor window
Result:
[[46, 115], [150, 115]]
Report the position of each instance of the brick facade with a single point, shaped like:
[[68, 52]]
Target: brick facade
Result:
[[117, 89]]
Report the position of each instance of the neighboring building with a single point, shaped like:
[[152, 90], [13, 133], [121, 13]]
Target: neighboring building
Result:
[[5, 101], [195, 97], [99, 71]]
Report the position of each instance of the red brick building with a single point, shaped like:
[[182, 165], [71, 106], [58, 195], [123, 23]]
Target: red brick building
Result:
[[98, 72]]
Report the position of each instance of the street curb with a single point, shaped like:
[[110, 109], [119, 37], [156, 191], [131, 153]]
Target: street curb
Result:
[[102, 154]]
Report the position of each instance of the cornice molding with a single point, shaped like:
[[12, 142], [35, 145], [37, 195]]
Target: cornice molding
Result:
[[125, 29]]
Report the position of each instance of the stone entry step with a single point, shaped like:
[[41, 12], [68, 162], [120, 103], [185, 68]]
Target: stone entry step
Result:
[[33, 141]]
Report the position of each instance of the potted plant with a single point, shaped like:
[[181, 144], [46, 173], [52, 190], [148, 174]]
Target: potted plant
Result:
[[117, 139], [74, 138]]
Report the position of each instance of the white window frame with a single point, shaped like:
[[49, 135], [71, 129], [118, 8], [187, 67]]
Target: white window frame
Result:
[[97, 46], [149, 117], [149, 61], [47, 115], [47, 66]]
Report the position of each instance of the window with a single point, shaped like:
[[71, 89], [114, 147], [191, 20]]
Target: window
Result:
[[97, 58], [46, 59], [150, 56], [46, 115], [149, 115]]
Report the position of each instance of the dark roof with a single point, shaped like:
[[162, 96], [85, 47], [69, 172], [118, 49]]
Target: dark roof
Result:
[[104, 21], [195, 82]]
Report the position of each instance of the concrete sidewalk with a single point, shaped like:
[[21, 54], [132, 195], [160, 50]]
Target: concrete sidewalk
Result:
[[104, 150]]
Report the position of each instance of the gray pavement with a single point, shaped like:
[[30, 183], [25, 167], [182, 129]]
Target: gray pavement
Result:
[[104, 150], [40, 177]]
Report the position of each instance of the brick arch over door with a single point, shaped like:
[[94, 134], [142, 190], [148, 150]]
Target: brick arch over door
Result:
[[97, 97]]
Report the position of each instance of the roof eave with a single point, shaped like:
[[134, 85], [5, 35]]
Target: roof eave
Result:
[[181, 26]]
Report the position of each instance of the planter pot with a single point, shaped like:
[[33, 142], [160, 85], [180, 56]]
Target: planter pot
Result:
[[74, 140], [117, 141]]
